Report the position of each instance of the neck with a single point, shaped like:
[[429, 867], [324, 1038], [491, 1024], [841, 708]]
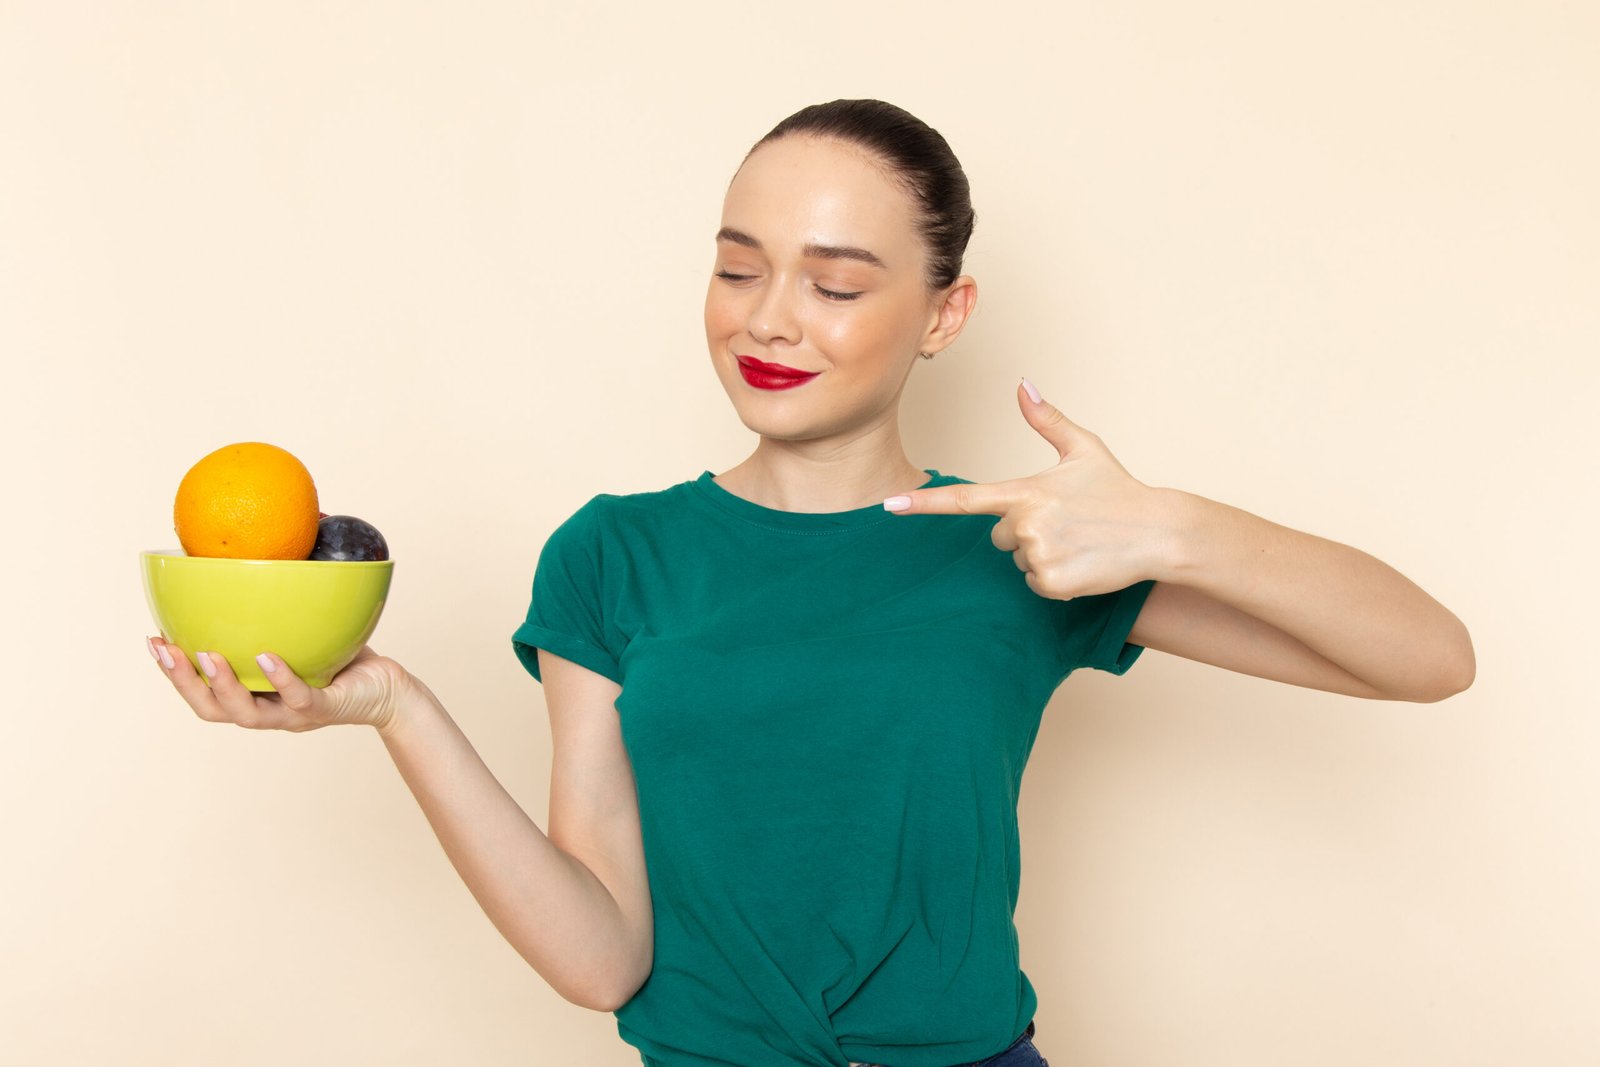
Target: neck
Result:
[[790, 482]]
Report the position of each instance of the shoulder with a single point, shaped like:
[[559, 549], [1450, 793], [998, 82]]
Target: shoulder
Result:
[[610, 515], [641, 502]]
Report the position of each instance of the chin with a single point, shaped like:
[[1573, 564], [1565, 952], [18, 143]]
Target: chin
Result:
[[763, 423]]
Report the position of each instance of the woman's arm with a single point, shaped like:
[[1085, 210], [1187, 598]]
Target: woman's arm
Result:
[[552, 909], [1231, 588], [1356, 612]]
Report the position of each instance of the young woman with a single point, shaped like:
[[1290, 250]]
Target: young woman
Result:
[[790, 720]]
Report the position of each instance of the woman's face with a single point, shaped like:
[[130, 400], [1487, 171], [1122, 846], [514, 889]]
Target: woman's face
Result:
[[819, 268]]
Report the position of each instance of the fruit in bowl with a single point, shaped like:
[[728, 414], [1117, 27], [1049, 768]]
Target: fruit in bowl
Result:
[[249, 500], [263, 569], [345, 537], [315, 614]]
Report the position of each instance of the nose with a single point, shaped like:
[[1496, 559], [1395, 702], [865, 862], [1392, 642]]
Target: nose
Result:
[[772, 316]]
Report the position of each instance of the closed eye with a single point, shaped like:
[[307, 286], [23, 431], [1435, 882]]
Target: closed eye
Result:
[[829, 293]]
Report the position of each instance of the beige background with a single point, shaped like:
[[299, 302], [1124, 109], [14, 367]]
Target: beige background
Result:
[[1335, 264]]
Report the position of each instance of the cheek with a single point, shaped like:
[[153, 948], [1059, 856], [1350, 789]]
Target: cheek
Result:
[[721, 315], [862, 338]]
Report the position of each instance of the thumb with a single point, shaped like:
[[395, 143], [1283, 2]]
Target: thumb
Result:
[[1066, 435]]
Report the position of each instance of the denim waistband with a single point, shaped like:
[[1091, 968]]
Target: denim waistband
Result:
[[1026, 1033]]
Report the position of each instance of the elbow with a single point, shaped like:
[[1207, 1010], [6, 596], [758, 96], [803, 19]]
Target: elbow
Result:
[[1469, 674], [1466, 671], [614, 999], [612, 995], [1437, 696], [595, 992], [608, 1005], [1458, 679], [596, 1000]]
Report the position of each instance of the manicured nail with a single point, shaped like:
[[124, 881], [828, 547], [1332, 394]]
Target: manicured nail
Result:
[[897, 503], [206, 664], [266, 663], [150, 643], [166, 657], [1033, 394]]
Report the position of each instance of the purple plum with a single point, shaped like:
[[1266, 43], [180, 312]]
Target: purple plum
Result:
[[347, 539]]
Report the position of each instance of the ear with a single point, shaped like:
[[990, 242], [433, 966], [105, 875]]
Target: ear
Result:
[[955, 304]]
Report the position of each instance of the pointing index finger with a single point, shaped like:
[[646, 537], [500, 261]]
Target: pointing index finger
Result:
[[968, 498]]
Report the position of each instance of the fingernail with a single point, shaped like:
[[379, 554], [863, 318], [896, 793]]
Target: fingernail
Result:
[[266, 663], [1033, 394], [206, 664], [897, 503], [166, 657], [150, 643]]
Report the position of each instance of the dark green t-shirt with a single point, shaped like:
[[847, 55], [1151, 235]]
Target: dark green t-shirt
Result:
[[828, 716]]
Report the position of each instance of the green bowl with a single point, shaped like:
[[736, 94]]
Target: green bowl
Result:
[[315, 614]]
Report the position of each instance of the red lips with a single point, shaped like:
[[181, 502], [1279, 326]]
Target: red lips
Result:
[[775, 368], [763, 375]]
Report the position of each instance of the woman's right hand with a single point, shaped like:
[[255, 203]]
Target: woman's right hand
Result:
[[367, 692]]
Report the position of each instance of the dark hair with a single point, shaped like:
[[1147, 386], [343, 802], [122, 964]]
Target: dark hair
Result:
[[916, 156]]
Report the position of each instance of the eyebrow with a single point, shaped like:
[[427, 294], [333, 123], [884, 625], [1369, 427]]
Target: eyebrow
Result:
[[810, 251]]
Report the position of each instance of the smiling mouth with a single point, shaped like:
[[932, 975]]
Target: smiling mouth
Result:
[[776, 370], [756, 374]]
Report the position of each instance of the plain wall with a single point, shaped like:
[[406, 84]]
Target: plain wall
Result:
[[1334, 264]]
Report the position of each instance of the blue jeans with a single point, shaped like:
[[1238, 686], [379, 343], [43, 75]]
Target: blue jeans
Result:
[[1020, 1053]]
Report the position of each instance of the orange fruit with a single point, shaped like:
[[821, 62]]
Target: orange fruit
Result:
[[247, 501]]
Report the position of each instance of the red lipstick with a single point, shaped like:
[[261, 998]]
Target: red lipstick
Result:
[[765, 375]]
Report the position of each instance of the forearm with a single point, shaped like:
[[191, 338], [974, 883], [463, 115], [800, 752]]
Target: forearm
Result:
[[547, 904], [1341, 602]]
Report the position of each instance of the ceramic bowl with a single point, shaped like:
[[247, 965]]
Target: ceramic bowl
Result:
[[315, 614]]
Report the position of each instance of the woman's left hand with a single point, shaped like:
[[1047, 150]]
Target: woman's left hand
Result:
[[1082, 527]]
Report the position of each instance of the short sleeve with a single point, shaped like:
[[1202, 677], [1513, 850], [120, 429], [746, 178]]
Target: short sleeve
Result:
[[1092, 631], [566, 613]]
